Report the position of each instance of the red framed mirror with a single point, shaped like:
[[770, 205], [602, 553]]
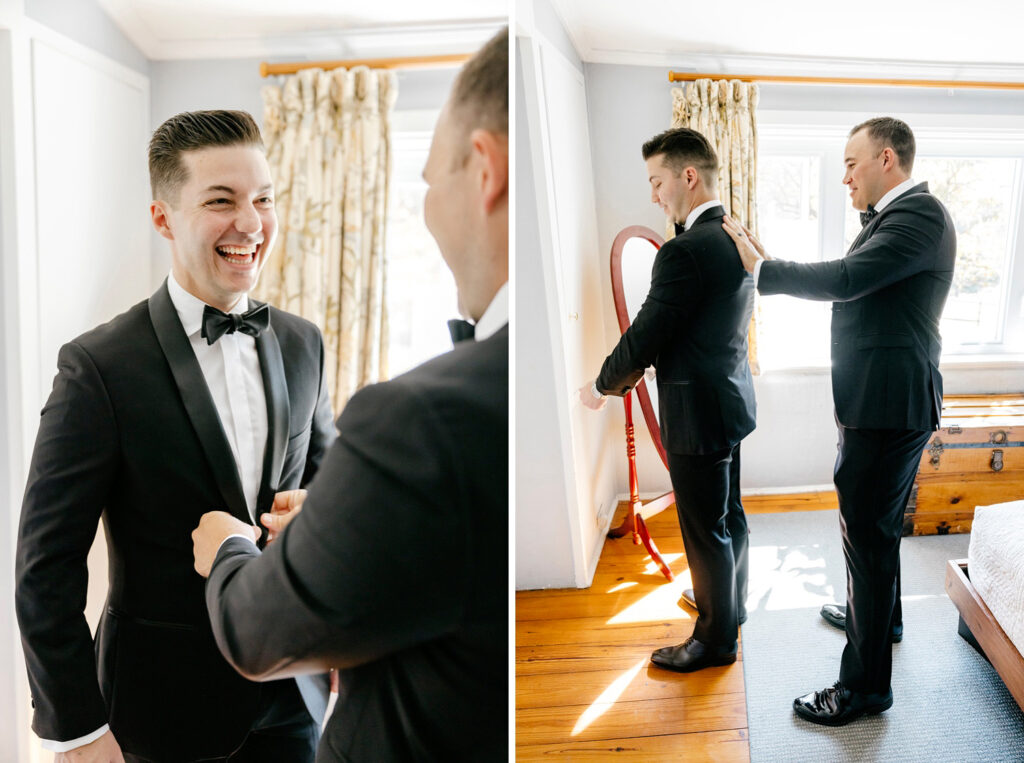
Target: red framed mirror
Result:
[[633, 253]]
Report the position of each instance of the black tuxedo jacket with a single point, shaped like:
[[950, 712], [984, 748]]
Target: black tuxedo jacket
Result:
[[396, 571], [693, 328], [130, 432], [888, 293]]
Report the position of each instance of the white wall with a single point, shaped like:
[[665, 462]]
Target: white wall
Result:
[[795, 441], [565, 490], [544, 543], [74, 248], [85, 22]]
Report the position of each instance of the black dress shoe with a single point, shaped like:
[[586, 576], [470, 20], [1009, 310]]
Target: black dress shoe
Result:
[[837, 705], [692, 655], [835, 615], [687, 598]]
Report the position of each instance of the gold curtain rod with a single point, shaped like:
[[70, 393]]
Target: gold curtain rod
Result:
[[690, 76], [408, 62]]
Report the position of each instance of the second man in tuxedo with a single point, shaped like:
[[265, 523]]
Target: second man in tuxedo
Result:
[[693, 328], [887, 293]]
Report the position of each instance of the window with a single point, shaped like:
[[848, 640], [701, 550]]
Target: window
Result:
[[420, 289], [805, 215]]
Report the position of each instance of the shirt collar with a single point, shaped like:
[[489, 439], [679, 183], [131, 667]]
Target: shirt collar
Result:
[[495, 316], [698, 211], [190, 308], [894, 193]]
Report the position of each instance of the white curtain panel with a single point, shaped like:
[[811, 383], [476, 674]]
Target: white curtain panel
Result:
[[725, 112], [328, 139]]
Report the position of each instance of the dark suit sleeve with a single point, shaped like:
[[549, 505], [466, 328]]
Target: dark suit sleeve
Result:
[[675, 292], [906, 242], [376, 561], [322, 431], [73, 464]]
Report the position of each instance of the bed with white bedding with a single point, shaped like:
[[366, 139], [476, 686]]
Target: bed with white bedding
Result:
[[988, 589]]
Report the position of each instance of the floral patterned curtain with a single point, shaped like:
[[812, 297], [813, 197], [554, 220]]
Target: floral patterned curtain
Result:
[[725, 112], [328, 141]]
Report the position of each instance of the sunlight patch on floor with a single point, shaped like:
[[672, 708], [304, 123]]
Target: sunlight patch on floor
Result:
[[653, 569], [622, 586], [660, 604], [797, 578], [607, 698]]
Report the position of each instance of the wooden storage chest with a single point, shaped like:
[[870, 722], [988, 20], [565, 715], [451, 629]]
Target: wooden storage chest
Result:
[[976, 458]]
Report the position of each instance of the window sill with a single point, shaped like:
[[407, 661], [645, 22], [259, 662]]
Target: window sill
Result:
[[1009, 362]]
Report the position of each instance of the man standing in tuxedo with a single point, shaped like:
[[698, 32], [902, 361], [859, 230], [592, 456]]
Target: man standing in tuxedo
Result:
[[196, 397], [693, 328], [887, 293], [396, 569]]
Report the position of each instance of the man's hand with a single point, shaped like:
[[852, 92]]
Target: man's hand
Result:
[[102, 750], [588, 399], [214, 527], [287, 505], [749, 247]]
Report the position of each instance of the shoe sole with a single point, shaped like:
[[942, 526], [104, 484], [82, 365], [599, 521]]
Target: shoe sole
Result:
[[716, 663], [872, 710]]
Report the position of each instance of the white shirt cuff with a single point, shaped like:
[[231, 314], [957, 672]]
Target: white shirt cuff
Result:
[[235, 535], [72, 744], [757, 271], [596, 392]]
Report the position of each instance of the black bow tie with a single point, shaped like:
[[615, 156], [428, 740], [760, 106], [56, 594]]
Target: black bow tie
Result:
[[460, 330], [216, 324], [868, 216]]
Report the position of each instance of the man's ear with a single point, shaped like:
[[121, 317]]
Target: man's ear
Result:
[[889, 159], [161, 219], [692, 177], [490, 150]]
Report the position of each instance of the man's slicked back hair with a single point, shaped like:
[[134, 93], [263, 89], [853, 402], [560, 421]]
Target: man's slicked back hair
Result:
[[682, 148], [889, 132], [192, 131], [480, 95]]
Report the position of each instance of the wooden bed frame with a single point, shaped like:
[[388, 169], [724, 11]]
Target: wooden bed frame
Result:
[[984, 633]]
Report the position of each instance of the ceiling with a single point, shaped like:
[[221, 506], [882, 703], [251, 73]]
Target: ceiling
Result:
[[944, 38], [305, 29]]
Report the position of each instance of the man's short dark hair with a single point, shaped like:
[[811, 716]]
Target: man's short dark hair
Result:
[[888, 132], [191, 131], [480, 95], [682, 148]]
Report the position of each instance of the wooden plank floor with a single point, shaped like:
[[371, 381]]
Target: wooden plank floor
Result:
[[585, 687]]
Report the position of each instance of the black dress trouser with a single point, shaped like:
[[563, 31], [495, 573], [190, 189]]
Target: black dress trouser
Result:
[[874, 476], [714, 527], [283, 730]]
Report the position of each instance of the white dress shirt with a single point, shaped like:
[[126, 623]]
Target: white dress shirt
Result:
[[698, 211], [231, 367], [894, 193], [495, 316]]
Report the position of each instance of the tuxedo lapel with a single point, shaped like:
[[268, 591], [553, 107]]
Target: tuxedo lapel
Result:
[[199, 405], [275, 386], [868, 229], [863, 236]]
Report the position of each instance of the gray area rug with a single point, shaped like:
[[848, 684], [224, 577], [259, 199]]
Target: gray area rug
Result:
[[949, 704]]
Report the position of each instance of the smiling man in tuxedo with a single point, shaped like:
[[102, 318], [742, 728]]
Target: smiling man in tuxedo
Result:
[[196, 397], [887, 293], [396, 569], [693, 328]]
